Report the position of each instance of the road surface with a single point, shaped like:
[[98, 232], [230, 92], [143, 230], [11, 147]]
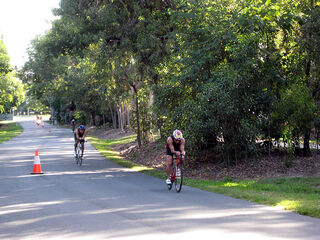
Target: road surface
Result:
[[101, 200]]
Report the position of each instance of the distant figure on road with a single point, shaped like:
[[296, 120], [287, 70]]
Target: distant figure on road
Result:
[[73, 124], [38, 120], [52, 119]]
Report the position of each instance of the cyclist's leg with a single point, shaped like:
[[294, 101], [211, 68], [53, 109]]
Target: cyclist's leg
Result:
[[75, 146], [82, 148], [169, 165]]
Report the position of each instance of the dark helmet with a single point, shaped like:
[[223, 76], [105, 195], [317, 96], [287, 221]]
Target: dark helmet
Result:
[[81, 127]]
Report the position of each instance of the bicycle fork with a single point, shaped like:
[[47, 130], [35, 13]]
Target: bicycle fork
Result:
[[174, 169]]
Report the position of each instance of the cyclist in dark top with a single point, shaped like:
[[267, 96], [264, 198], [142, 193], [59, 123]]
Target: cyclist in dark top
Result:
[[79, 136], [175, 145], [73, 124]]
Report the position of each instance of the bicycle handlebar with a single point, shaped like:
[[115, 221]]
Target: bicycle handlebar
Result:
[[179, 155], [81, 140]]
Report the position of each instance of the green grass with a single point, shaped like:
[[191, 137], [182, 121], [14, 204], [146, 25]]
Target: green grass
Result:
[[9, 130], [301, 195], [105, 148]]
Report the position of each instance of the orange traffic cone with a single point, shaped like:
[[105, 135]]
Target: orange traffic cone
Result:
[[36, 164]]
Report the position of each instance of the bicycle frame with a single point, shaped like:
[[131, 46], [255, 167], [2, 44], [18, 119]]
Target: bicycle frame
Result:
[[79, 148], [175, 162], [79, 157]]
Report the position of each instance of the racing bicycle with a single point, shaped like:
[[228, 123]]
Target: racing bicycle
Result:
[[79, 156], [176, 175]]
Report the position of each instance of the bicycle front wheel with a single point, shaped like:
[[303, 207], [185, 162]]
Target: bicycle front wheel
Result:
[[80, 160], [179, 177], [78, 153], [77, 158]]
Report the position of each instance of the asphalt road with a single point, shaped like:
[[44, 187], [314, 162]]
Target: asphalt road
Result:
[[101, 200]]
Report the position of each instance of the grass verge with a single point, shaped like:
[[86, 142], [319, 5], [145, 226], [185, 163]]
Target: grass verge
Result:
[[9, 130], [301, 195]]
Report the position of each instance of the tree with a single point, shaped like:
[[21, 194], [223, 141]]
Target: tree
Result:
[[129, 32], [11, 89], [223, 72]]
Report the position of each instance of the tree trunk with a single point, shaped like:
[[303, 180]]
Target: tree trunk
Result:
[[119, 116], [306, 145], [104, 121], [137, 115], [128, 115], [93, 118], [123, 117], [114, 119]]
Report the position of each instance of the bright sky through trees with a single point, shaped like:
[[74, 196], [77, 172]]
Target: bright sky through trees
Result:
[[21, 21]]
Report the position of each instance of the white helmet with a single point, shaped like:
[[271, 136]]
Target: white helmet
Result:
[[177, 134]]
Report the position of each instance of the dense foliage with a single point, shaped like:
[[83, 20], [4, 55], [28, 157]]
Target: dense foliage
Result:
[[12, 93], [227, 73]]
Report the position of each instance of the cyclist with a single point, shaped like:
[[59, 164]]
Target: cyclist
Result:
[[175, 145], [79, 136], [73, 124], [38, 121]]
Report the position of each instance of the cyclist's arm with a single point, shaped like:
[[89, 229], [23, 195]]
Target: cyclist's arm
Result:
[[77, 134], [182, 147], [170, 144], [84, 134]]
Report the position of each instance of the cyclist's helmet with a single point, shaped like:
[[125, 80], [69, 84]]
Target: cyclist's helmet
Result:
[[177, 134], [81, 127]]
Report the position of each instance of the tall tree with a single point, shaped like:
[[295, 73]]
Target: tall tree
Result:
[[11, 89]]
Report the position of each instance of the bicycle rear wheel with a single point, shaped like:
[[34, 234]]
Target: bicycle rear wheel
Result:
[[76, 156], [179, 177], [78, 153], [80, 160]]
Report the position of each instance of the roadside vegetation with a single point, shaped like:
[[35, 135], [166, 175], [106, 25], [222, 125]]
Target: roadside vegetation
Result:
[[298, 194], [227, 73], [12, 92], [105, 148], [9, 130]]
